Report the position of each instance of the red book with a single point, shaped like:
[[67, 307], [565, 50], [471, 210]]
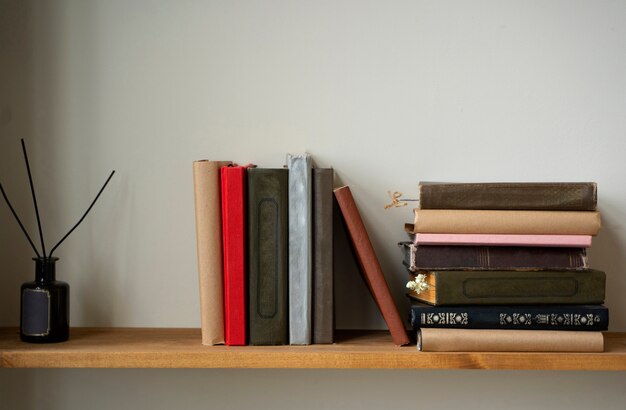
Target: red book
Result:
[[234, 239], [370, 267]]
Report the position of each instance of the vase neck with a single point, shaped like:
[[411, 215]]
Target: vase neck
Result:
[[45, 269]]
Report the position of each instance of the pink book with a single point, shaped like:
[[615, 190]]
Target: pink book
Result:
[[572, 241]]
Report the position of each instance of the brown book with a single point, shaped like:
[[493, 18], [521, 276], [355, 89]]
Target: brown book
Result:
[[505, 222], [441, 257], [323, 321], [507, 340], [206, 181], [561, 196], [369, 265]]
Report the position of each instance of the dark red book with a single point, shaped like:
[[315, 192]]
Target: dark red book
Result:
[[234, 240], [369, 265]]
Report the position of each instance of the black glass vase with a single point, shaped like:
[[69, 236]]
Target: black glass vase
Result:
[[45, 306]]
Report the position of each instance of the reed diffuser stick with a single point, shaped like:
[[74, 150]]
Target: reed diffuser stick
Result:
[[17, 218], [32, 190], [84, 215]]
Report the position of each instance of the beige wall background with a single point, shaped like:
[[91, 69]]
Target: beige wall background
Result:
[[388, 93]]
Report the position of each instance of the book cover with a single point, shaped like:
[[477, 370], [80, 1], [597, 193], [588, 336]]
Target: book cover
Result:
[[460, 239], [509, 287], [495, 340], [563, 196], [323, 275], [524, 317], [300, 249], [369, 265], [234, 204], [441, 257], [206, 182], [268, 260], [505, 222]]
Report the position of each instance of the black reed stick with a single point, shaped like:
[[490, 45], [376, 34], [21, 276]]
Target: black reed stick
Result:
[[32, 190], [84, 215], [17, 218]]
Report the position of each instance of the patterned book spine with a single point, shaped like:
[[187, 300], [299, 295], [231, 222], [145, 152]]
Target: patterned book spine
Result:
[[323, 321], [268, 255], [531, 317], [300, 249], [440, 257], [530, 196]]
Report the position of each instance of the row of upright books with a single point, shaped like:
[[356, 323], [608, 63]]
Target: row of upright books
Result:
[[264, 238], [265, 253], [504, 267]]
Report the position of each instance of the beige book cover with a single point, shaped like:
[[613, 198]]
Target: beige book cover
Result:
[[505, 222], [498, 340], [206, 181]]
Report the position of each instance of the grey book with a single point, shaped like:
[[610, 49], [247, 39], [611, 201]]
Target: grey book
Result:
[[300, 249], [323, 319]]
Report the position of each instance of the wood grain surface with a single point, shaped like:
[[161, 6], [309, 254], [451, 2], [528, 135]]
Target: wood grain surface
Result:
[[182, 348]]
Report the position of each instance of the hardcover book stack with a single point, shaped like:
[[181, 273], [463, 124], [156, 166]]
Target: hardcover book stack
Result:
[[503, 267]]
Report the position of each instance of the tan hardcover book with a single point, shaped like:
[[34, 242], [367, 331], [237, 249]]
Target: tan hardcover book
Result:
[[505, 222], [206, 182], [369, 265], [499, 340]]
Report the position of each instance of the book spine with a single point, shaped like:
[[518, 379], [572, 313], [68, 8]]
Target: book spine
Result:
[[566, 241], [268, 247], [369, 265], [439, 257], [206, 178], [502, 287], [300, 249], [505, 222], [530, 317], [234, 234], [323, 320], [487, 340], [529, 196]]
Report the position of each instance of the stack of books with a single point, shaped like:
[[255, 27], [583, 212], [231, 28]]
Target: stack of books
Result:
[[503, 267]]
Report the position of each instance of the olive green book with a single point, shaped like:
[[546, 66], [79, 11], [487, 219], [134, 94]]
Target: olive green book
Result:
[[268, 247], [509, 287]]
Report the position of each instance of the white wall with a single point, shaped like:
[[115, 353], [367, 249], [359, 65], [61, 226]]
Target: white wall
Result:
[[389, 93]]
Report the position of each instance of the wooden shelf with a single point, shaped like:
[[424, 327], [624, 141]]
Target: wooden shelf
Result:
[[181, 348]]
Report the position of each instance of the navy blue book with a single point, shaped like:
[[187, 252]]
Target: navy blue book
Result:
[[531, 317]]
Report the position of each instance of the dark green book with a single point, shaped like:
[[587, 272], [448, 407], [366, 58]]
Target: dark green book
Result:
[[510, 287], [268, 250]]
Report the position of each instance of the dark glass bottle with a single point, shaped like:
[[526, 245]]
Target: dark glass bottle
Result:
[[45, 305]]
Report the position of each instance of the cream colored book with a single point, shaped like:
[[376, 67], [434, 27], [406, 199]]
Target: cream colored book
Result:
[[498, 340], [505, 222], [206, 181]]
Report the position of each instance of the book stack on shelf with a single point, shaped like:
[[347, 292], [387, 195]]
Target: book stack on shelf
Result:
[[265, 254], [503, 267]]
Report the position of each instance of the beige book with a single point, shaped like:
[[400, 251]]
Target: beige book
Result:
[[505, 222], [206, 181], [488, 340]]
